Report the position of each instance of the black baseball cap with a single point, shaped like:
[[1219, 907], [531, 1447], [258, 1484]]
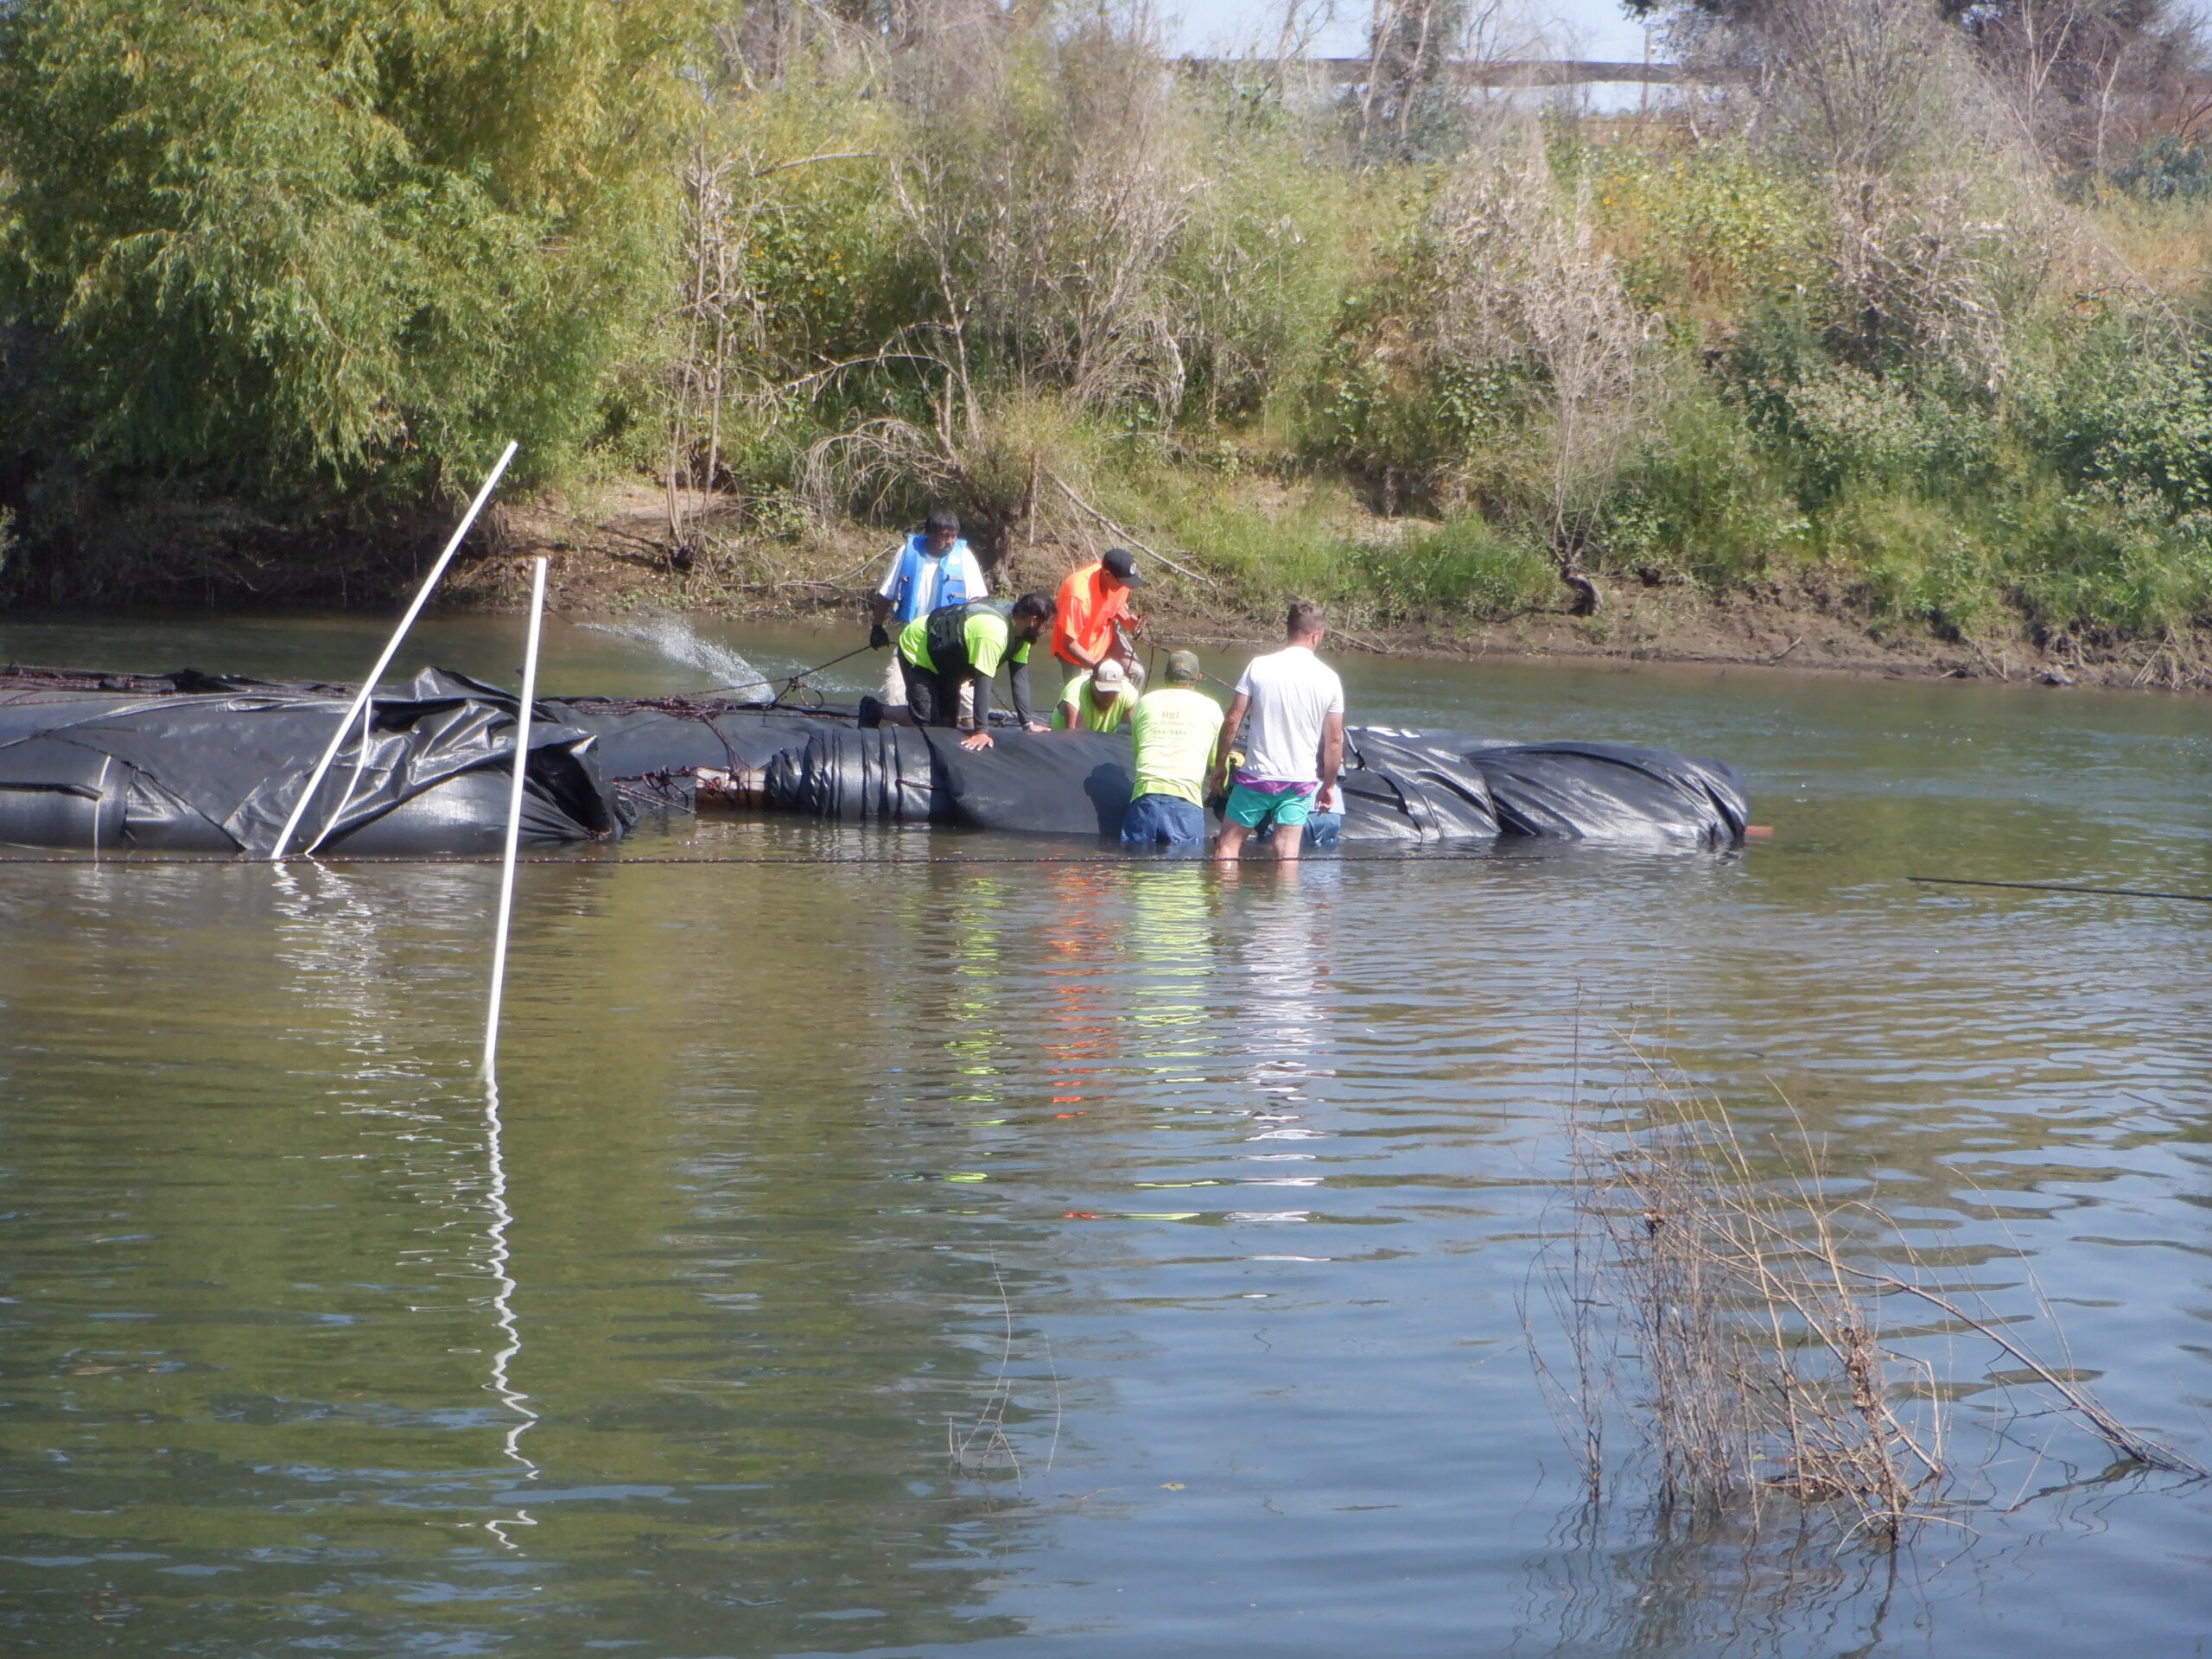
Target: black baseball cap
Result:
[[1121, 562]]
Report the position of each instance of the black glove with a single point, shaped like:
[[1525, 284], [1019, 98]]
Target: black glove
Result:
[[878, 637]]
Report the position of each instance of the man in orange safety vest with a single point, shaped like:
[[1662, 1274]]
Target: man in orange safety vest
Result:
[[1093, 607]]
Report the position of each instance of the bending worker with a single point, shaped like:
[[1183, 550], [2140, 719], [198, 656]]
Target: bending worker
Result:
[[1097, 701], [1175, 727], [962, 645], [935, 567], [1093, 600], [1297, 705]]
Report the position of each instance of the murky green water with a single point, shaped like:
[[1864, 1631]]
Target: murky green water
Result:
[[1209, 1204]]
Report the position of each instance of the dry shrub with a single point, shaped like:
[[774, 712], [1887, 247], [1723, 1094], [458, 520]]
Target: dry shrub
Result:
[[1005, 465], [1940, 228], [1522, 281], [1411, 100], [1041, 181], [757, 160], [1717, 1302]]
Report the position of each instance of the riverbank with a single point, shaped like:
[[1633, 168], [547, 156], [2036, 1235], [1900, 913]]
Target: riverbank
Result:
[[615, 553]]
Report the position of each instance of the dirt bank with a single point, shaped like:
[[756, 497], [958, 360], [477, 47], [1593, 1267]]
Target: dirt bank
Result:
[[618, 556]]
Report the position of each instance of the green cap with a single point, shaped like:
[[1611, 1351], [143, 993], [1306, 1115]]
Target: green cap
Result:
[[1183, 668]]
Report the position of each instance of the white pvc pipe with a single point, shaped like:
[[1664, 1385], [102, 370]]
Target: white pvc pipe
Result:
[[390, 649], [514, 814], [360, 765]]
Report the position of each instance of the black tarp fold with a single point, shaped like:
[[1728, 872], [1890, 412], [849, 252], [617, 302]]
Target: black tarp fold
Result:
[[220, 772]]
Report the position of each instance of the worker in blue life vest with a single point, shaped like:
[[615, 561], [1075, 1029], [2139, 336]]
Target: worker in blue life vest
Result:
[[934, 568], [959, 647]]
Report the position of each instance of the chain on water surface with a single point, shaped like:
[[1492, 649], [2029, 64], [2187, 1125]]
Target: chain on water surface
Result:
[[1103, 859]]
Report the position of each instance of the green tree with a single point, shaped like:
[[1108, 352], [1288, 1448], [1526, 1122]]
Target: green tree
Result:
[[277, 248]]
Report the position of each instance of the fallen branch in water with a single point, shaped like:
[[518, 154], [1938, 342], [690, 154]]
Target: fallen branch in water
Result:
[[2141, 1447]]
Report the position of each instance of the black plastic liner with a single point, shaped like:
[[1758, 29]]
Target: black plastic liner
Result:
[[218, 772], [1068, 783], [886, 775], [202, 763], [1413, 786], [1610, 791], [674, 733]]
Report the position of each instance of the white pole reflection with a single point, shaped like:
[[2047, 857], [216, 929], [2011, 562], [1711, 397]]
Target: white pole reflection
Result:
[[503, 1306]]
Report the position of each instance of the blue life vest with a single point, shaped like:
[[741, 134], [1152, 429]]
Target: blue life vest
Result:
[[906, 589]]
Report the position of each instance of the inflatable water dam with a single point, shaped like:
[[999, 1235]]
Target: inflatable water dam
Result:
[[193, 763], [208, 764]]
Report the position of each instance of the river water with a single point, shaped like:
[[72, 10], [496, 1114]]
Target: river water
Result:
[[915, 1256]]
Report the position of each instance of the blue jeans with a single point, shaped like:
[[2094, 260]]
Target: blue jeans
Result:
[[1165, 821]]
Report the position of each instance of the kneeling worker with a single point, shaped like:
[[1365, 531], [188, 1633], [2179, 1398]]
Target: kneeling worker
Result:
[[1097, 701], [964, 644], [1175, 727]]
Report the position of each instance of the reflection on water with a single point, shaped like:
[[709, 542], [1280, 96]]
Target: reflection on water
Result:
[[503, 1308], [1209, 1201]]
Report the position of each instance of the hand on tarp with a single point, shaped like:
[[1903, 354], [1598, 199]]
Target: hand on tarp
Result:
[[976, 740], [878, 637], [1038, 728]]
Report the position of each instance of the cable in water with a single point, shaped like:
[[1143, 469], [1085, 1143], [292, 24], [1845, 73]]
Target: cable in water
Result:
[[2061, 887]]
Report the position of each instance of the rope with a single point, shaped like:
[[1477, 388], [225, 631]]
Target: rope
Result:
[[792, 683], [2056, 886]]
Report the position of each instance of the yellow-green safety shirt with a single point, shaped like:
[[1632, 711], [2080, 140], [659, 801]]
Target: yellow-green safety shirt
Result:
[[985, 632], [1175, 729], [1090, 717]]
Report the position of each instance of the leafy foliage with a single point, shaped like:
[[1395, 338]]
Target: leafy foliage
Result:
[[284, 254], [272, 245]]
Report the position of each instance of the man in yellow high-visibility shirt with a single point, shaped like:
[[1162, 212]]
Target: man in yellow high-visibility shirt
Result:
[[1097, 701], [1175, 727], [964, 644]]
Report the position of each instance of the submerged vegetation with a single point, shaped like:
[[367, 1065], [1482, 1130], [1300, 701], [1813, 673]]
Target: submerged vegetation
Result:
[[1901, 300], [1738, 1331]]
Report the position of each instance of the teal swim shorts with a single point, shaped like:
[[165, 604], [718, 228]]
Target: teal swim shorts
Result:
[[1259, 809]]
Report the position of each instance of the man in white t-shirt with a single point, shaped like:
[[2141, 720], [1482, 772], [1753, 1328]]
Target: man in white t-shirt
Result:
[[1296, 745]]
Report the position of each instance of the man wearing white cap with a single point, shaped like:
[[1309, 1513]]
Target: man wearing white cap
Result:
[[1096, 702]]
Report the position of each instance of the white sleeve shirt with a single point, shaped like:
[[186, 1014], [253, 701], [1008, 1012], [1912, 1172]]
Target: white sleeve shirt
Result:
[[1292, 693], [929, 573]]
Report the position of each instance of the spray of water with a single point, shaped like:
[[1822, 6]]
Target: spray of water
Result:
[[673, 639]]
